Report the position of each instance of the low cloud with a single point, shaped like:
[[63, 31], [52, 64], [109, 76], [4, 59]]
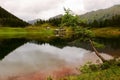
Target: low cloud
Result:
[[44, 9], [29, 9]]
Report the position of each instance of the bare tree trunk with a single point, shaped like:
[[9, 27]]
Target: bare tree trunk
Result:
[[96, 52]]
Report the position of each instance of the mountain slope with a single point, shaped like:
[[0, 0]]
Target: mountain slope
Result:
[[99, 18], [101, 14], [32, 21], [9, 20]]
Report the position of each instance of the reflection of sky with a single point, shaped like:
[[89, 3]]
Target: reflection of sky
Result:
[[33, 57]]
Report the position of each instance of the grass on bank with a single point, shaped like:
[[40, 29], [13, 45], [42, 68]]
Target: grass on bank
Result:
[[108, 74], [8, 32], [42, 31], [107, 32], [107, 71]]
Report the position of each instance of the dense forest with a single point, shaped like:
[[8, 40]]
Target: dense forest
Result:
[[112, 22], [53, 21], [8, 19]]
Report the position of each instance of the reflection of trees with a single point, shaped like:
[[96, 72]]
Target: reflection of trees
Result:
[[8, 45]]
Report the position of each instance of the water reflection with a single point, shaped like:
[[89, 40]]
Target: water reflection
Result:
[[112, 45], [32, 58], [8, 45]]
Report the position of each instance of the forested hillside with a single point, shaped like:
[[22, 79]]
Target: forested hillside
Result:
[[9, 20], [103, 17], [109, 17]]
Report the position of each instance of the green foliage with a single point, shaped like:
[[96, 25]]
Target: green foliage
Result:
[[86, 68], [103, 18], [52, 21], [68, 19], [108, 74], [107, 32], [39, 22], [98, 45], [109, 70], [12, 22], [45, 25], [105, 65], [114, 21], [28, 32], [55, 22], [89, 67], [84, 33]]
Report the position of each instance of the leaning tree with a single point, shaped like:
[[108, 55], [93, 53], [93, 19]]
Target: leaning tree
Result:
[[71, 20]]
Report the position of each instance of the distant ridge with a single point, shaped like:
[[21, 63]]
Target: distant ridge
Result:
[[9, 20], [32, 21], [35, 20], [99, 18], [57, 16], [101, 14]]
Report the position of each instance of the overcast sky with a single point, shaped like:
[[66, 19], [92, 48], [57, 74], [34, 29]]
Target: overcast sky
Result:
[[44, 9]]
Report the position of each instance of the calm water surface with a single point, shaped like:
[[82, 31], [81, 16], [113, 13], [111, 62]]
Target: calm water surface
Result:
[[24, 59]]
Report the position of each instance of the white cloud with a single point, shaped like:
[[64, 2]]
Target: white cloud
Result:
[[29, 9], [75, 5], [32, 9]]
